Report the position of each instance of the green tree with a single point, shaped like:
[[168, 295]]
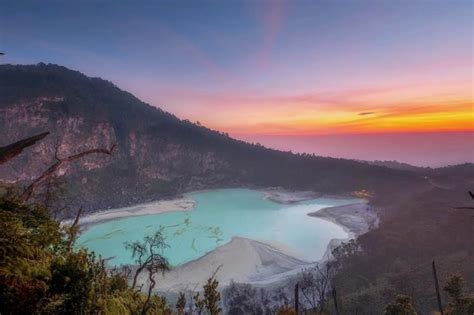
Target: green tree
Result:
[[286, 310], [181, 303], [212, 296], [28, 241], [460, 302], [211, 299], [41, 272], [198, 303], [149, 257], [401, 306]]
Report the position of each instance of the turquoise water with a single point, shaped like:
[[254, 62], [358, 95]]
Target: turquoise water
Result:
[[217, 217]]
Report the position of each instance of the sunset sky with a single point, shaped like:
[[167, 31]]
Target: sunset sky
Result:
[[292, 75]]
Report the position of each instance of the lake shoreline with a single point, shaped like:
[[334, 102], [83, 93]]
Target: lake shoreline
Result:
[[354, 218], [150, 208], [184, 203], [265, 264], [285, 196]]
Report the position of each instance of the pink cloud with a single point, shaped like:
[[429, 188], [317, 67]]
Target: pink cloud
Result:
[[272, 19]]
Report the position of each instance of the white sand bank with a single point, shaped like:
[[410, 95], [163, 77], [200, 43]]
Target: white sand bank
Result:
[[156, 207], [284, 196], [241, 260], [356, 218]]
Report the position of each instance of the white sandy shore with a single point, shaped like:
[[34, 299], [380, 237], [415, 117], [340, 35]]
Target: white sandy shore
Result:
[[355, 219], [284, 196], [241, 260], [156, 207]]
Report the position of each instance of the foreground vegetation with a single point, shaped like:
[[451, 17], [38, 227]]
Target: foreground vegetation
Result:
[[42, 273]]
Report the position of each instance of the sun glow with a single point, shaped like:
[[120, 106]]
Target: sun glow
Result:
[[419, 117]]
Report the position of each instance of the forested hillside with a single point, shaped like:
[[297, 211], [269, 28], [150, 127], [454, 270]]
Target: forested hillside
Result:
[[415, 229]]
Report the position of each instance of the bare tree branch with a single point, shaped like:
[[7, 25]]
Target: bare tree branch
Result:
[[73, 230], [60, 162], [10, 151], [314, 284]]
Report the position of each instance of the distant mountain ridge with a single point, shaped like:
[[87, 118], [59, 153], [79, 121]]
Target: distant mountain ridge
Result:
[[397, 165], [158, 155]]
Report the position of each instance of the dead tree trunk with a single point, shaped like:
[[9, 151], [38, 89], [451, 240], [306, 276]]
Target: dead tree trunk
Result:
[[152, 284], [334, 296], [135, 277], [73, 230], [297, 298], [438, 295]]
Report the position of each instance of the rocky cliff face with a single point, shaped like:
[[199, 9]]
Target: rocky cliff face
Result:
[[19, 120], [144, 165], [157, 155]]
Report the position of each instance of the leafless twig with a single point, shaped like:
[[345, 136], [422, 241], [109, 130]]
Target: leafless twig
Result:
[[60, 162], [73, 229]]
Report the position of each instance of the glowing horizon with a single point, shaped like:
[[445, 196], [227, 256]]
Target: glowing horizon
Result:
[[252, 68], [398, 109]]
